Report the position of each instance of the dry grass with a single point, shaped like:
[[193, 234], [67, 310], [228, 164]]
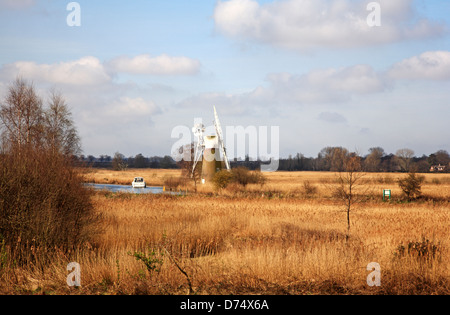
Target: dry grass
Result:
[[270, 240]]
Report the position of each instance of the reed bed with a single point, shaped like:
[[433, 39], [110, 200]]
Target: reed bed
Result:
[[275, 239]]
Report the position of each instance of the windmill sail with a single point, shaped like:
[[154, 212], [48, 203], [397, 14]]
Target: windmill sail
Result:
[[220, 139]]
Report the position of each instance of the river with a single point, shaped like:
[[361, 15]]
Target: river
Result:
[[127, 189]]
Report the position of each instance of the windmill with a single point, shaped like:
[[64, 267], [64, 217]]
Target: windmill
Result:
[[206, 149], [199, 131]]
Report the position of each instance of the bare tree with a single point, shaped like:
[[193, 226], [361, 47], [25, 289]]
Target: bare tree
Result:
[[186, 158], [26, 122], [348, 181], [118, 162], [21, 114], [403, 158], [333, 158], [59, 130], [373, 159]]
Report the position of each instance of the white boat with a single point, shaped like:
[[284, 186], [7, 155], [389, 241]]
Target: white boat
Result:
[[138, 182]]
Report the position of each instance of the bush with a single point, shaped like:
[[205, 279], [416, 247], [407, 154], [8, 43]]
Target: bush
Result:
[[44, 205], [411, 185], [256, 177], [222, 179], [240, 175], [424, 250], [243, 176], [151, 261], [309, 189]]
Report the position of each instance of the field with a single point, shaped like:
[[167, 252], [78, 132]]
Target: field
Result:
[[286, 237]]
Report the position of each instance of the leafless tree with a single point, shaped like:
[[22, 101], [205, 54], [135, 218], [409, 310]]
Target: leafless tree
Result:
[[21, 114], [118, 162], [59, 130], [187, 157], [333, 158], [404, 158], [25, 121], [373, 159], [348, 182]]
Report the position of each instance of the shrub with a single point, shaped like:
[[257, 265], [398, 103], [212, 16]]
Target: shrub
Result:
[[309, 189], [240, 175], [44, 205], [436, 181], [411, 185], [243, 176], [222, 179], [424, 250], [256, 177], [151, 261]]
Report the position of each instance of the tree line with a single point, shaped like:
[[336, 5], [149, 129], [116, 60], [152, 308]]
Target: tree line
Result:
[[328, 159], [377, 160], [120, 162]]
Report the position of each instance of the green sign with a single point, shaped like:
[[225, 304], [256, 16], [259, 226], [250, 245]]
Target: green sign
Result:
[[386, 194]]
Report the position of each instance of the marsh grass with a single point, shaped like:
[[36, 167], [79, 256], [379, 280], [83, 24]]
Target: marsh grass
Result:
[[258, 240]]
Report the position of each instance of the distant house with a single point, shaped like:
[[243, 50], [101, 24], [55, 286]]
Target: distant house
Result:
[[437, 168]]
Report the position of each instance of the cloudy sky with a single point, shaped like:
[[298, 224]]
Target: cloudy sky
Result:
[[135, 70]]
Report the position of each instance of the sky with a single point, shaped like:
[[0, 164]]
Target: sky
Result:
[[134, 71]]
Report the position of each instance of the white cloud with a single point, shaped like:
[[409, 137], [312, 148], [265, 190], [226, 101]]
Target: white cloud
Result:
[[103, 108], [159, 65], [325, 86], [131, 109], [306, 24], [316, 87], [84, 71], [118, 124], [331, 84], [90, 71], [432, 65]]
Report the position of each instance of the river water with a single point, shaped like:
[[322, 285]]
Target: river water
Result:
[[127, 189]]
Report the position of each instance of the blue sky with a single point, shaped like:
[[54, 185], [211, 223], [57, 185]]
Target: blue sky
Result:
[[134, 70]]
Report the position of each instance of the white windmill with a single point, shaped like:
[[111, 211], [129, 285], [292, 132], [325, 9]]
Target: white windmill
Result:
[[206, 149], [199, 132]]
